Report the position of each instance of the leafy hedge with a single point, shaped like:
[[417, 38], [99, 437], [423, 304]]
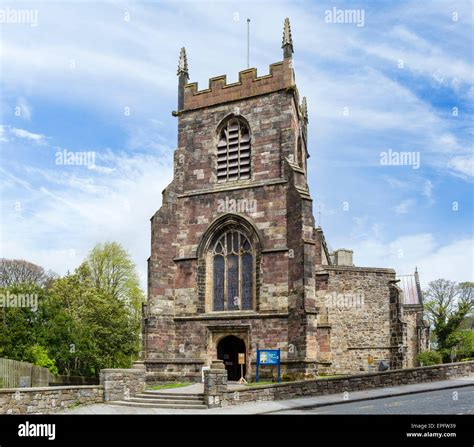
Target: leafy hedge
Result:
[[429, 358]]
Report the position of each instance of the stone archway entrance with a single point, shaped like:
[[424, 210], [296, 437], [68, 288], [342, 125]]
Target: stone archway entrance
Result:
[[228, 350]]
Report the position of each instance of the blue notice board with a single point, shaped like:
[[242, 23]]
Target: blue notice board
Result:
[[268, 357]]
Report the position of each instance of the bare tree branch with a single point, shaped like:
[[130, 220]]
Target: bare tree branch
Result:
[[17, 271]]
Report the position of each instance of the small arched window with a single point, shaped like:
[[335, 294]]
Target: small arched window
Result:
[[233, 151], [233, 272]]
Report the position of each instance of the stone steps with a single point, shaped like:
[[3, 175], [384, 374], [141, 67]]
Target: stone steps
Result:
[[153, 399], [164, 393], [180, 397], [170, 405]]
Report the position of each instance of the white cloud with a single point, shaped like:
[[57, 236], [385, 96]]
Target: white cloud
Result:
[[23, 108], [396, 183], [452, 260], [119, 63], [436, 65], [22, 133], [59, 223], [381, 113], [428, 189], [463, 166], [405, 206], [3, 137]]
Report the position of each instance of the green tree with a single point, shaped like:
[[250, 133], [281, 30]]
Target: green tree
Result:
[[447, 305], [461, 344], [113, 272], [39, 356], [87, 329], [83, 321], [19, 320]]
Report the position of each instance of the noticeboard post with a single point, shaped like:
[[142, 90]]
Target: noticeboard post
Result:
[[268, 357], [241, 359]]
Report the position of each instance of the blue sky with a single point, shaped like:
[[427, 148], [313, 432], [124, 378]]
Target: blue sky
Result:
[[101, 77]]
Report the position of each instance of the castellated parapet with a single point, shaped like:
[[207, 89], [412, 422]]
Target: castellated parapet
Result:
[[280, 77]]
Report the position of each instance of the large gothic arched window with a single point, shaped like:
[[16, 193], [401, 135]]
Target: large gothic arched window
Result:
[[233, 272], [233, 151]]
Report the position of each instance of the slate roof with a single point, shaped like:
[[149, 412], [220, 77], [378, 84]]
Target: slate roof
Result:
[[411, 289]]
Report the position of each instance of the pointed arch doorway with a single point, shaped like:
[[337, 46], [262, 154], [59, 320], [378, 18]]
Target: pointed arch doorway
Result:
[[228, 350]]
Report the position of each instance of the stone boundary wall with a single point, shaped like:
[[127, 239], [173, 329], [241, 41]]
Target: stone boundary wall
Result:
[[46, 400], [115, 384], [215, 384], [217, 395], [121, 384]]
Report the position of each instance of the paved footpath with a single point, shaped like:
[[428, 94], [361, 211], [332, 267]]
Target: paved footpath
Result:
[[280, 405]]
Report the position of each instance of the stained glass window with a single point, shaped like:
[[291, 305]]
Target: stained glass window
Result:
[[219, 282], [247, 281], [233, 272], [232, 282]]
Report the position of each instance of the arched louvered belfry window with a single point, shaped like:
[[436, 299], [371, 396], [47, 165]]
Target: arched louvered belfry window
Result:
[[233, 151], [233, 272]]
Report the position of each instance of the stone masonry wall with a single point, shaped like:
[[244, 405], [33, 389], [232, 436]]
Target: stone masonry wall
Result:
[[345, 384], [411, 318], [355, 302], [120, 384], [194, 200], [45, 400], [215, 384], [177, 340], [271, 138], [115, 384], [398, 328], [196, 338], [267, 214]]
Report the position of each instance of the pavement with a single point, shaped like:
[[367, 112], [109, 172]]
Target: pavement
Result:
[[301, 404]]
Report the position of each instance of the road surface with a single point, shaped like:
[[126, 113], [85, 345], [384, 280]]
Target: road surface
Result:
[[453, 401]]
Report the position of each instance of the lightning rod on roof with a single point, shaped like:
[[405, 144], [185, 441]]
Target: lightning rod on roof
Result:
[[248, 43]]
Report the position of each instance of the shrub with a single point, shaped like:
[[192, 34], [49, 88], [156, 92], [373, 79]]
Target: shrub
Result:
[[38, 355], [428, 358]]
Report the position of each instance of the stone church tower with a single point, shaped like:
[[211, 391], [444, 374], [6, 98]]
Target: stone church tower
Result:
[[236, 261]]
